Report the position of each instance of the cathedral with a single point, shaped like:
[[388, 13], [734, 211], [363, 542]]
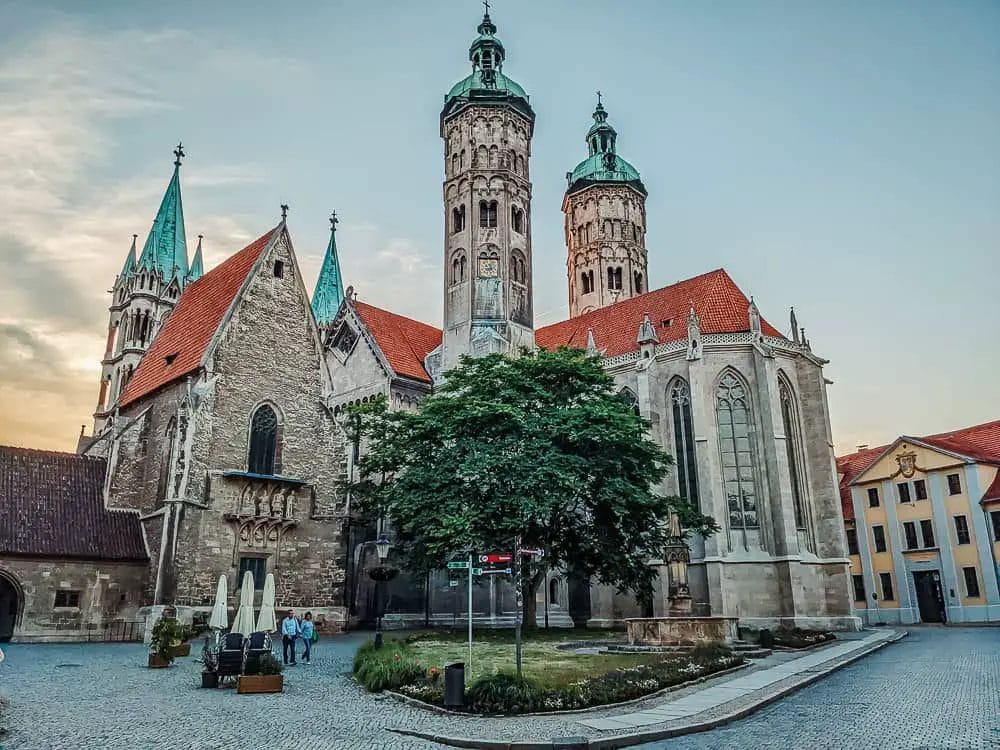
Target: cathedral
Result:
[[218, 444]]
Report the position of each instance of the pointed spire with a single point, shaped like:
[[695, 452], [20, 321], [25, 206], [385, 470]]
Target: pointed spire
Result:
[[129, 267], [647, 333], [754, 315], [795, 326], [329, 291], [197, 265], [165, 250]]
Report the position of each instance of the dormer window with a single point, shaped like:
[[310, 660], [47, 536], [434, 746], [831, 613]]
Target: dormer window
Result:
[[169, 359]]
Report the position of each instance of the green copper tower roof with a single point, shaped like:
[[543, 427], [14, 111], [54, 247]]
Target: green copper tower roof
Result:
[[603, 164], [197, 265], [165, 250], [129, 267], [487, 84], [330, 284]]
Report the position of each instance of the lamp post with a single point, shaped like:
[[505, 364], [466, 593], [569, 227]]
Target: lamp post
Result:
[[380, 574]]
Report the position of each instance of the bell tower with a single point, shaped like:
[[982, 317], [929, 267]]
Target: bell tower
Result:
[[486, 126], [605, 208]]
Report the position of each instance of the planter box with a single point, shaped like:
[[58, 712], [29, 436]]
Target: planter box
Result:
[[158, 662], [260, 683], [210, 679], [182, 649]]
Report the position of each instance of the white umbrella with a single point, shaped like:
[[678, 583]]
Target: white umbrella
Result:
[[220, 612], [266, 623], [243, 624]]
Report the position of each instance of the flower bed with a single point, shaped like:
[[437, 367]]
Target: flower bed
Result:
[[800, 638], [394, 668]]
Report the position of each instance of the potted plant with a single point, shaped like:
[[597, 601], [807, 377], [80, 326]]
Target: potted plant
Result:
[[180, 646], [166, 634], [268, 678], [210, 666]]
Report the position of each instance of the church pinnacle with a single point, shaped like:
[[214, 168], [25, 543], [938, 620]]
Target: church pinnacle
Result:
[[165, 251], [329, 291], [197, 264]]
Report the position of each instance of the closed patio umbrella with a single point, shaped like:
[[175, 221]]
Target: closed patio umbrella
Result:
[[220, 613], [243, 624], [266, 622]]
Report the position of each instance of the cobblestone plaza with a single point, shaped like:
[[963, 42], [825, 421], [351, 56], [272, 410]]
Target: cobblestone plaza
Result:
[[937, 688]]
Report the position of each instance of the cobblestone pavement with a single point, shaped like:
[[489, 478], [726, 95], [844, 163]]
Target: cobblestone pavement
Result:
[[935, 689], [938, 689]]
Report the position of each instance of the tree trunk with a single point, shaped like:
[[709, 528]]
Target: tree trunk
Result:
[[529, 587]]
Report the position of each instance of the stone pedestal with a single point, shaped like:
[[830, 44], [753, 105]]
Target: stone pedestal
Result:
[[680, 631]]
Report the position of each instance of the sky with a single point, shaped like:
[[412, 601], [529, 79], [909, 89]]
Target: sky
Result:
[[842, 158]]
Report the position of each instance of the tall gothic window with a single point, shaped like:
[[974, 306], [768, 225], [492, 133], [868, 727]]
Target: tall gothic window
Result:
[[628, 396], [263, 440], [732, 409], [458, 218], [638, 283], [793, 448], [687, 466]]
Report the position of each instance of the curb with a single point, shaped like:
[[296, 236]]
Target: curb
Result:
[[626, 740]]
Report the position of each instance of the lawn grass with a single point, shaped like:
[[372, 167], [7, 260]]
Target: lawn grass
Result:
[[493, 651]]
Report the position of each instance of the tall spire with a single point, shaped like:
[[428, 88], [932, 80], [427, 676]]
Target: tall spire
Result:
[[330, 285], [165, 250], [197, 265], [129, 266]]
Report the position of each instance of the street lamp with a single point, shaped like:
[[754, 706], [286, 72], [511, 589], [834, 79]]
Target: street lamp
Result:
[[380, 574]]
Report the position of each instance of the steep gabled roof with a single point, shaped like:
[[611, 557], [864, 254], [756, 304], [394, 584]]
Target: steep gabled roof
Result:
[[51, 505], [849, 467], [717, 300], [180, 346], [404, 342]]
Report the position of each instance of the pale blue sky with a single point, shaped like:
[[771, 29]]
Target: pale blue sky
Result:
[[842, 157]]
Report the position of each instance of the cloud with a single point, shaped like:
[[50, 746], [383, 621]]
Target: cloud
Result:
[[63, 94]]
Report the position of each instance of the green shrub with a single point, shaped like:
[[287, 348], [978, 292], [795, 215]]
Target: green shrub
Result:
[[504, 694], [707, 652], [268, 664], [387, 668], [800, 637], [167, 633]]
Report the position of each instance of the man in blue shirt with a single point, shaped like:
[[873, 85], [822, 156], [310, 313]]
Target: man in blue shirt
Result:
[[290, 630]]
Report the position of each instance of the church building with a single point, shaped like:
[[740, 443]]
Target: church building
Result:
[[219, 445]]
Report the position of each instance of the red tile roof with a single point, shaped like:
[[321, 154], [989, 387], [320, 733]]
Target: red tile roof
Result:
[[404, 341], [980, 442], [716, 299], [52, 505], [993, 491], [179, 347], [849, 467]]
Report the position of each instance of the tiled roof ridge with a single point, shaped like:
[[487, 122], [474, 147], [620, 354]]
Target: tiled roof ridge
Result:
[[20, 449], [396, 315], [962, 430]]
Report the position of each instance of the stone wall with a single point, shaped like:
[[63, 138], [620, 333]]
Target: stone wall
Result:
[[108, 593]]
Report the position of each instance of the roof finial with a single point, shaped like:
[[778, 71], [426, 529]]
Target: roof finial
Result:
[[486, 4], [284, 211], [598, 97], [178, 154], [334, 221]]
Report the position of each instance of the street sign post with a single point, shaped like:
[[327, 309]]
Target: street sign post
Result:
[[469, 566], [519, 598], [535, 552], [458, 565]]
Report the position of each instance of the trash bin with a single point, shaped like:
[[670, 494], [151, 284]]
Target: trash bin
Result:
[[454, 685]]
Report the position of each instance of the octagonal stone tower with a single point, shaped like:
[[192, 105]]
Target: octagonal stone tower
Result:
[[486, 125], [605, 208]]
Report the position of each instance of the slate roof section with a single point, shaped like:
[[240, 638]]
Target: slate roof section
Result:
[[51, 505], [180, 346], [720, 304], [404, 342]]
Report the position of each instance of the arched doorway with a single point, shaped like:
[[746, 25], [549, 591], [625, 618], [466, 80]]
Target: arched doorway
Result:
[[10, 607]]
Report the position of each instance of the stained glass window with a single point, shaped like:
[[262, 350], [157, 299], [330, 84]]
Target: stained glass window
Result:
[[263, 441], [687, 467], [733, 414]]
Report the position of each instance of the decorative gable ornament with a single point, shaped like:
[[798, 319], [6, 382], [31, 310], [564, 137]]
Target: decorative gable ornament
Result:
[[907, 463], [694, 336], [755, 329]]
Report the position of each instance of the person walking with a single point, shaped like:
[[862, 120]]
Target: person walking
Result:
[[308, 636], [290, 630]]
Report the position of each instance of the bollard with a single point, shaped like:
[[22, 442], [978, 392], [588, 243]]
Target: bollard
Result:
[[454, 685]]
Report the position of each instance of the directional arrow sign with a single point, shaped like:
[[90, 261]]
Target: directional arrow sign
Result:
[[496, 571], [496, 557], [538, 552], [458, 565], [477, 571]]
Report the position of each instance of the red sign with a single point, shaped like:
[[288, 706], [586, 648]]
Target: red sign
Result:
[[496, 557]]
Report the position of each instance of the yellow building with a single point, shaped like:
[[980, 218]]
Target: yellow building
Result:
[[922, 517]]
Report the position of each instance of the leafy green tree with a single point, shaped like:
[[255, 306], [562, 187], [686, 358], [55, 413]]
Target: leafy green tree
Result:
[[538, 446]]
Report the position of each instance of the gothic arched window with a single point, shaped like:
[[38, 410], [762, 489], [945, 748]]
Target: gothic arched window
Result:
[[687, 465], [518, 268], [263, 441], [793, 449], [458, 267], [487, 214], [732, 410], [628, 396], [517, 219]]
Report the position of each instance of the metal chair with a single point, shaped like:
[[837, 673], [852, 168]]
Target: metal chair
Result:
[[257, 644], [231, 656]]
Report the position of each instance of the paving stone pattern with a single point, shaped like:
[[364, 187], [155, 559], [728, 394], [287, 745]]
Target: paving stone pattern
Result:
[[938, 688]]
